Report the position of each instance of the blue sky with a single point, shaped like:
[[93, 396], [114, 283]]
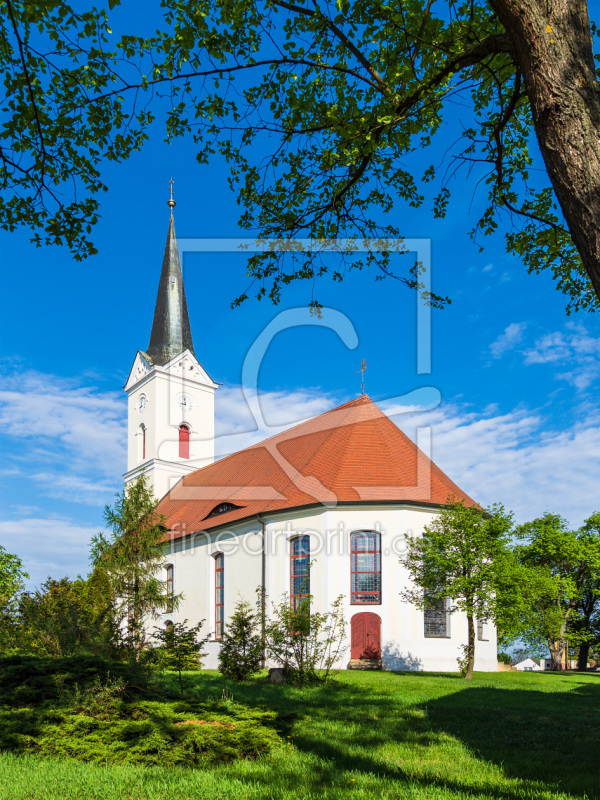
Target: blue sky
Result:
[[518, 420]]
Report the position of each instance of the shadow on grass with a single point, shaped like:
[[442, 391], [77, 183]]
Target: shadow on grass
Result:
[[544, 741]]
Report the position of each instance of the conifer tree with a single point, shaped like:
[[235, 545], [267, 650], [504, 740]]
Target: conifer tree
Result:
[[133, 557], [242, 649]]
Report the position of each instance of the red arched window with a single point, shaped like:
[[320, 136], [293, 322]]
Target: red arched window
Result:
[[219, 594], [366, 567], [184, 441], [299, 570]]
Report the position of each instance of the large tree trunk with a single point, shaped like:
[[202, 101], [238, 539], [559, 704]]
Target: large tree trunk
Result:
[[582, 658], [557, 648], [470, 647], [553, 48]]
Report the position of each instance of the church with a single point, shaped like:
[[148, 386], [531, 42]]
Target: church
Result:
[[321, 508]]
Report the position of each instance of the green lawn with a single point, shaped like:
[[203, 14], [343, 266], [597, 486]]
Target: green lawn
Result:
[[511, 736]]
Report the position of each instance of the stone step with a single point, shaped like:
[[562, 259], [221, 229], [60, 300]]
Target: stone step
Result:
[[365, 663]]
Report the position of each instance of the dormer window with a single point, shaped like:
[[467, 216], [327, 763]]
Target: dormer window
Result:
[[222, 508]]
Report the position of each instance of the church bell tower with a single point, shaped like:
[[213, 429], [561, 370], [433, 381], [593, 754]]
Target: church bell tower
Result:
[[170, 397]]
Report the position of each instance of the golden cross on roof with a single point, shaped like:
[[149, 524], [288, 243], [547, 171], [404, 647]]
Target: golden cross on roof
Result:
[[171, 202], [363, 367]]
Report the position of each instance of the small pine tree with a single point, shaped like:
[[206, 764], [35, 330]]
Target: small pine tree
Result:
[[181, 647], [242, 649]]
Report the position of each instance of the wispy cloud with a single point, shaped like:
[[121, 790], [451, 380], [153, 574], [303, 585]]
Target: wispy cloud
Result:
[[516, 458], [508, 339], [63, 435], [48, 546], [575, 349]]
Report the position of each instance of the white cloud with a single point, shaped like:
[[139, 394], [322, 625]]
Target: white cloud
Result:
[[237, 428], [48, 546], [574, 348], [509, 339], [515, 458], [67, 428]]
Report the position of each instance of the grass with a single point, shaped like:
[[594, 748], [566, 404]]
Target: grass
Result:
[[510, 736]]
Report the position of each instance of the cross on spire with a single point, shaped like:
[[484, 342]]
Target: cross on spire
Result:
[[171, 203], [363, 367]]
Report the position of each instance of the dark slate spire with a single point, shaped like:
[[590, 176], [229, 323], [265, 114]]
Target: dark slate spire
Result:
[[171, 333]]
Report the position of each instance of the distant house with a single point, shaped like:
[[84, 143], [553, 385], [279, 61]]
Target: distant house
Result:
[[529, 665]]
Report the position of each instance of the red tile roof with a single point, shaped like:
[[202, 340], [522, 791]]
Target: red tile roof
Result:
[[352, 453]]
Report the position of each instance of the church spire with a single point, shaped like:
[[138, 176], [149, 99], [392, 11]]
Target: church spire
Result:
[[171, 333]]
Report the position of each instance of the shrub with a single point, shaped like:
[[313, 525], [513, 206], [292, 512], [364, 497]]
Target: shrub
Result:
[[149, 732], [505, 658], [181, 649], [241, 652], [304, 643], [34, 680]]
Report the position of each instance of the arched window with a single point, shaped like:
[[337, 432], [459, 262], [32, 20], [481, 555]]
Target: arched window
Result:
[[219, 594], [184, 441], [142, 443], [170, 588], [436, 619], [299, 570], [366, 567]]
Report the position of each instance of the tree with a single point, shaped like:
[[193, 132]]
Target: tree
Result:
[[12, 577], [133, 557], [241, 652], [459, 560], [181, 647], [570, 561], [343, 93], [587, 623], [64, 617]]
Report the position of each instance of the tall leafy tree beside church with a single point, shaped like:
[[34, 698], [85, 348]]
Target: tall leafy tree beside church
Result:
[[460, 560], [133, 557], [568, 562]]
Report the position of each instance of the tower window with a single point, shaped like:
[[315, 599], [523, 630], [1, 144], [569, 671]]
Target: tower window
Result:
[[299, 570], [366, 567], [219, 594], [184, 441], [142, 442]]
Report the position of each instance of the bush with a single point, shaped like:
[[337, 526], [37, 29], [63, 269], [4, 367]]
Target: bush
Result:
[[34, 680], [104, 729], [304, 643], [505, 658], [241, 652]]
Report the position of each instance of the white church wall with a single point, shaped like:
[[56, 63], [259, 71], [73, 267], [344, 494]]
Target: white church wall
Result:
[[404, 645]]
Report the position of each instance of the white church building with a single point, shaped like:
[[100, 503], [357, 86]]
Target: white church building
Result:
[[321, 508]]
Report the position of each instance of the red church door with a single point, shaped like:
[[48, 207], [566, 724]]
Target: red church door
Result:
[[365, 635]]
